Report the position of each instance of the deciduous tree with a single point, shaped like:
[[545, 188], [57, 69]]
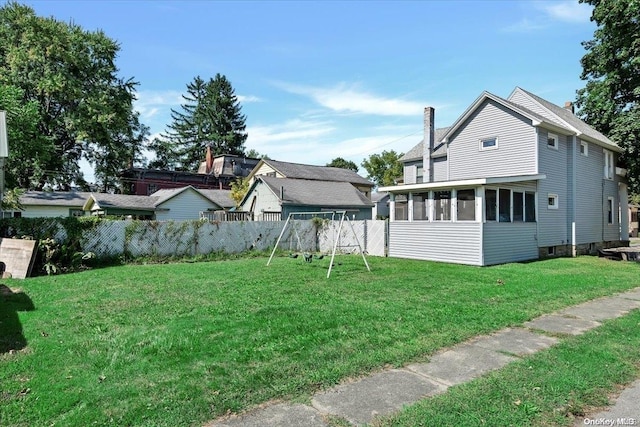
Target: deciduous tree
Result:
[[82, 103], [339, 162], [610, 101], [383, 169]]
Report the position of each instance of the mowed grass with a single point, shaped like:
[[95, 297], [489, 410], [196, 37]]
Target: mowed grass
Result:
[[555, 387], [180, 344]]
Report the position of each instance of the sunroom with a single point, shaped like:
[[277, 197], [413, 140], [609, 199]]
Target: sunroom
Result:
[[479, 221]]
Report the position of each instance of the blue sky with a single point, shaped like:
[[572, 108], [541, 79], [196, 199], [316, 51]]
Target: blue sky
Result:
[[320, 80]]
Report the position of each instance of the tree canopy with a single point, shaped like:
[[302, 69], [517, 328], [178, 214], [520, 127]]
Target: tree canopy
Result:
[[610, 101], [383, 169], [65, 101], [210, 116], [339, 162]]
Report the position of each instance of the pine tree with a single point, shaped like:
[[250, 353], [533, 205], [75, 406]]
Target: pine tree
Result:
[[211, 115]]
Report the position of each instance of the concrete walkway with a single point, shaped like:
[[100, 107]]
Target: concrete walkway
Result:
[[360, 401]]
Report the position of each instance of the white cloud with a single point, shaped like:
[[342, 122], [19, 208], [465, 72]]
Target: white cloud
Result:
[[524, 26], [567, 11], [248, 98], [345, 98], [150, 103], [291, 130]]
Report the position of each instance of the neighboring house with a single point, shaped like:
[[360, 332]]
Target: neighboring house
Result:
[[273, 168], [380, 205], [168, 204], [216, 172], [273, 199], [50, 204], [511, 180]]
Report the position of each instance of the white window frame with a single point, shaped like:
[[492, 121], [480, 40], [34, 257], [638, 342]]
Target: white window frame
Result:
[[481, 142], [608, 164], [584, 148], [555, 144], [611, 211], [556, 199]]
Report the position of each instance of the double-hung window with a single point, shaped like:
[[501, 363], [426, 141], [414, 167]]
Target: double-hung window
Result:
[[608, 164]]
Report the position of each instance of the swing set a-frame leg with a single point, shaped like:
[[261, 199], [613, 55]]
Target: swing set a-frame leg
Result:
[[279, 238]]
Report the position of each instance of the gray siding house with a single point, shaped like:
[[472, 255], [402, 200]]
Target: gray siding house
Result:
[[279, 188], [511, 180]]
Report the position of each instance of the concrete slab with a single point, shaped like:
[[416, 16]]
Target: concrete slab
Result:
[[515, 341], [557, 324], [379, 394], [625, 410], [462, 363], [279, 415], [602, 308], [632, 294]]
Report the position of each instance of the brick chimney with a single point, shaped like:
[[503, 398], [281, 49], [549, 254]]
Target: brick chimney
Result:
[[427, 146], [569, 106]]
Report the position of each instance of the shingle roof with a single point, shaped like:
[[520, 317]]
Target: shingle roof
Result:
[[377, 196], [317, 193], [221, 198], [320, 173], [572, 120], [439, 148], [54, 198], [125, 201]]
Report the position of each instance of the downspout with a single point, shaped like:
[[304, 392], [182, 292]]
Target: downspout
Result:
[[574, 249]]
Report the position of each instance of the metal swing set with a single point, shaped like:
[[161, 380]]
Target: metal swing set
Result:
[[341, 215]]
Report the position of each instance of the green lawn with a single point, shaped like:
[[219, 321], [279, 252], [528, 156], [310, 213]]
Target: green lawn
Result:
[[180, 344], [550, 388]]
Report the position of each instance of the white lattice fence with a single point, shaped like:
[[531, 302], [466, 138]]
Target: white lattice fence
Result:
[[149, 238], [370, 234]]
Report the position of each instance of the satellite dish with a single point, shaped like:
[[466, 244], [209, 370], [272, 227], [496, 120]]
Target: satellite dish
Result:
[[4, 146]]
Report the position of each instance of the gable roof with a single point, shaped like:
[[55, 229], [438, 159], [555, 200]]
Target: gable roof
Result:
[[535, 118], [166, 194], [54, 198], [315, 192], [221, 198], [312, 172], [417, 151], [121, 201], [550, 116], [155, 200], [569, 120]]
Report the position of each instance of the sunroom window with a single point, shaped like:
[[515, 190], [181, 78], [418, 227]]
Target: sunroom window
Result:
[[402, 207], [504, 204], [490, 201], [442, 205], [420, 205], [466, 205]]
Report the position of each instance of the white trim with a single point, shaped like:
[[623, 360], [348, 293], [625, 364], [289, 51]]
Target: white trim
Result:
[[556, 201], [585, 145], [609, 167], [463, 183], [481, 142], [611, 204], [555, 140]]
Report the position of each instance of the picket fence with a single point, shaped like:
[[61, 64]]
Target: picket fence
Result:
[[179, 238]]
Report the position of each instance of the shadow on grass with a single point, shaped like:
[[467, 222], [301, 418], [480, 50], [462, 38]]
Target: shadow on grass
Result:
[[11, 302]]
